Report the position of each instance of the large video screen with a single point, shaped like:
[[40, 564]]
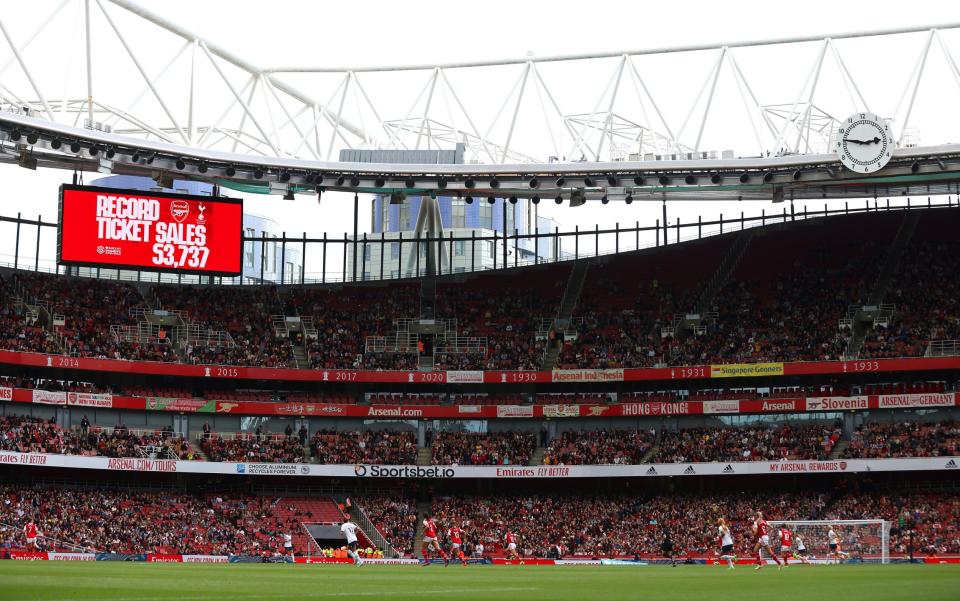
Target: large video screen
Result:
[[131, 229]]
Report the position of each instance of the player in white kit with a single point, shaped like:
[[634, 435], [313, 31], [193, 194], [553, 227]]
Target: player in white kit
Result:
[[349, 530], [834, 542], [801, 552], [288, 546], [726, 543]]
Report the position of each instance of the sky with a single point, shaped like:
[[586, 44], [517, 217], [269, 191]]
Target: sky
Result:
[[365, 33]]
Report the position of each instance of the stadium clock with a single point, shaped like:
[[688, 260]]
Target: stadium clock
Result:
[[864, 143]]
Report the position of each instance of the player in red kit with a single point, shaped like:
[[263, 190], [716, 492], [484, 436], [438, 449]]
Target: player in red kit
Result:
[[430, 541], [30, 532], [456, 543], [511, 540], [786, 544], [761, 529]]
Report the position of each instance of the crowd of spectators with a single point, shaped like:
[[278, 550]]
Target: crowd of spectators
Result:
[[345, 317], [369, 446], [924, 302], [584, 525], [506, 313], [395, 518], [756, 443], [258, 448], [114, 521], [769, 308], [37, 435], [626, 302], [88, 306], [491, 448], [920, 523], [245, 313], [691, 518], [904, 439], [594, 447]]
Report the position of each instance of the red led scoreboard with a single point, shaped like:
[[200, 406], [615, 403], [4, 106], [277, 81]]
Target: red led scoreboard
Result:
[[155, 231]]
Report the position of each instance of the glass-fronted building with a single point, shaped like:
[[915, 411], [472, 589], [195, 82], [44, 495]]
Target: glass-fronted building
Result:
[[463, 223]]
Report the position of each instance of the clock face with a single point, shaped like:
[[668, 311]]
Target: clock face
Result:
[[864, 143]]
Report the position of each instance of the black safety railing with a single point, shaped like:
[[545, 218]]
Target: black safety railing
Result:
[[396, 255]]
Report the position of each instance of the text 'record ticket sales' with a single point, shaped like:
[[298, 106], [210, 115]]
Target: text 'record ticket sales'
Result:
[[149, 230]]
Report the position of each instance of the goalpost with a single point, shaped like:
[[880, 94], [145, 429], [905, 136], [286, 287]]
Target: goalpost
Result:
[[863, 540]]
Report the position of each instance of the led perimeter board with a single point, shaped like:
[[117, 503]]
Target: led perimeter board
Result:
[[151, 231]]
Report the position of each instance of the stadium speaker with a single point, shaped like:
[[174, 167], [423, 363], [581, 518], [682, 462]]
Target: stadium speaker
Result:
[[442, 183], [491, 200], [611, 180], [715, 178], [558, 199], [397, 198], [560, 182], [230, 171], [494, 183], [410, 182], [379, 182], [163, 179], [588, 181], [604, 200], [744, 177], [33, 137], [664, 180], [318, 178], [75, 146], [27, 161], [628, 199], [915, 166], [150, 157], [797, 175], [112, 152], [135, 157], [181, 164], [778, 194], [202, 167], [513, 200], [355, 181], [468, 200], [534, 183], [340, 179], [258, 173], [768, 177], [690, 180], [638, 180], [15, 135], [56, 144], [469, 184], [535, 200], [577, 198], [284, 176]]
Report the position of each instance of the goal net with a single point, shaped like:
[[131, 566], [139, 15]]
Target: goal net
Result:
[[861, 540]]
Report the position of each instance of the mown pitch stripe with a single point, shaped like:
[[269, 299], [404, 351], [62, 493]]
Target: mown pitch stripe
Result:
[[441, 591]]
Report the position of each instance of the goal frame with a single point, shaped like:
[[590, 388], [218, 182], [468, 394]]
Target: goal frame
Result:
[[884, 525]]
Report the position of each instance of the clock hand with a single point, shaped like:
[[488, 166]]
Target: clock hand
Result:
[[875, 140]]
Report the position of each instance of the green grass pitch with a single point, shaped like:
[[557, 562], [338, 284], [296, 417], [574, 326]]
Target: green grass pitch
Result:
[[106, 581]]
